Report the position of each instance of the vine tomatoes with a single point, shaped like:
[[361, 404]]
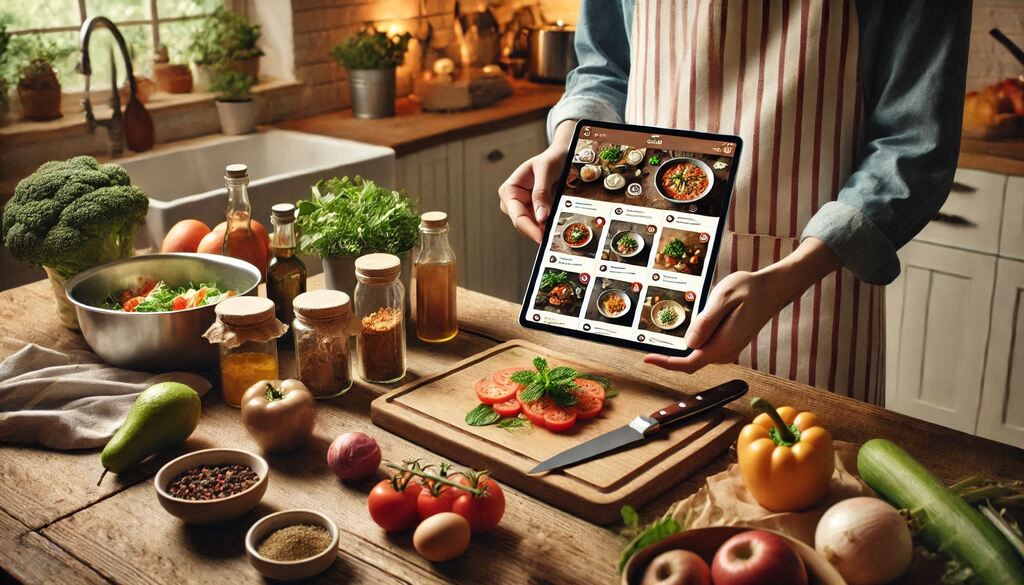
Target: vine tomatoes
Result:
[[490, 392], [590, 388], [588, 407], [504, 378], [393, 504], [508, 408], [483, 512], [428, 504], [559, 420]]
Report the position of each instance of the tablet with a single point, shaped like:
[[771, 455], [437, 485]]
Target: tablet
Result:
[[630, 246]]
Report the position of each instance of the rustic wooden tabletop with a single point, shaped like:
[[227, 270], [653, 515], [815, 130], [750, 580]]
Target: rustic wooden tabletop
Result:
[[57, 526]]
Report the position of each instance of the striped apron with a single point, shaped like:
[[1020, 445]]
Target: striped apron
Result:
[[782, 74]]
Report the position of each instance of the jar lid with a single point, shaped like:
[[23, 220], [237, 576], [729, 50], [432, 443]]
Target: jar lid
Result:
[[434, 219], [245, 311], [282, 213], [321, 304], [236, 171], [378, 266]]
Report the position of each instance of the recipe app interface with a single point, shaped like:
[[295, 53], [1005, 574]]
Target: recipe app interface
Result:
[[632, 238]]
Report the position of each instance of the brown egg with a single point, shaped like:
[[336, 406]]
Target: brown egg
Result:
[[442, 537]]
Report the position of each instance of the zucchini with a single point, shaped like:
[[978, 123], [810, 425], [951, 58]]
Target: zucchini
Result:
[[948, 523]]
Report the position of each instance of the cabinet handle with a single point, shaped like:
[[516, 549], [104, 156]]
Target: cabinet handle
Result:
[[953, 219], [958, 187], [495, 155]]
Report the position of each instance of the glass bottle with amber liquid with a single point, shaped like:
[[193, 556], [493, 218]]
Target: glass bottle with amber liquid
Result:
[[286, 274], [239, 239], [436, 314]]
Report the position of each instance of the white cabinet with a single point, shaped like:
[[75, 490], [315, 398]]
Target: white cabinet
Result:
[[1011, 244], [1002, 402]]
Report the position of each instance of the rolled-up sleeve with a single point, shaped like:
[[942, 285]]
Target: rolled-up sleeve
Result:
[[596, 88], [914, 63]]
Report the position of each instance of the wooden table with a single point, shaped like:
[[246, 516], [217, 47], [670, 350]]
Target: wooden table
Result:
[[57, 526]]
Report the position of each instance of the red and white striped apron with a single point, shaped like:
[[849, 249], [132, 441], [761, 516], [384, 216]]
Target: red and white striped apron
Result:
[[782, 74]]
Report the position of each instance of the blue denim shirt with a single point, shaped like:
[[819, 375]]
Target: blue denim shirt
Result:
[[913, 68]]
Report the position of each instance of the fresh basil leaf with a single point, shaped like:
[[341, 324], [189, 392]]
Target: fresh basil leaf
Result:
[[657, 531], [482, 416], [605, 382], [512, 422], [629, 517], [611, 393]]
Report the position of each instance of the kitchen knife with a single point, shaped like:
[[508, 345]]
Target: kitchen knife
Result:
[[643, 427]]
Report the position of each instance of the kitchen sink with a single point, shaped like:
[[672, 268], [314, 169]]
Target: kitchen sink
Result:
[[186, 180]]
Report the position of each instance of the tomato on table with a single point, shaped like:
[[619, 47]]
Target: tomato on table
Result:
[[490, 392], [559, 420], [588, 407], [428, 504], [394, 508], [504, 377], [483, 512], [590, 388], [508, 408]]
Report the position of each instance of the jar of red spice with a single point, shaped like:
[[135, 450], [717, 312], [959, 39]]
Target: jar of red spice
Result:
[[380, 303]]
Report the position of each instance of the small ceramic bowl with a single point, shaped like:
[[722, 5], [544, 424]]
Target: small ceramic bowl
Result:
[[209, 511], [290, 570]]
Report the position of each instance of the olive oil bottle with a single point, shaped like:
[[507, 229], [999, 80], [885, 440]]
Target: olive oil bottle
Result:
[[286, 274], [436, 303]]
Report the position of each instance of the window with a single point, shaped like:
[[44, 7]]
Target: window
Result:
[[145, 24]]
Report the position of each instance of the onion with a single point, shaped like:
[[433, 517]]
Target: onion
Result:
[[354, 456], [866, 540]]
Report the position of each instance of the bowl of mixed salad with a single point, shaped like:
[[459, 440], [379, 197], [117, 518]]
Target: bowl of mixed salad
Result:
[[150, 312]]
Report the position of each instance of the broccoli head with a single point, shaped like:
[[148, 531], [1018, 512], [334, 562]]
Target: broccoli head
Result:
[[73, 214]]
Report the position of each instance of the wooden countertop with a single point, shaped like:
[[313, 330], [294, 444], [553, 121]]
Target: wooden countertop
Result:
[[1003, 156], [56, 525], [413, 129]]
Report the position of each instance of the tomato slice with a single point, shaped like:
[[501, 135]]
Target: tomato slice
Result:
[[490, 392], [590, 388], [130, 305], [535, 410], [588, 407], [508, 408], [558, 420], [504, 377], [178, 303]]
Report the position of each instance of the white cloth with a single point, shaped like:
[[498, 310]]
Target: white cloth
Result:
[[71, 400]]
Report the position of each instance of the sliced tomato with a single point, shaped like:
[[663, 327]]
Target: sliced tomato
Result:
[[508, 408], [490, 392], [535, 410], [588, 407], [590, 388], [504, 377], [178, 303], [559, 420], [130, 305]]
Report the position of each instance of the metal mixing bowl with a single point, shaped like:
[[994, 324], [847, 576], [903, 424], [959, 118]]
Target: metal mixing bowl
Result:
[[155, 341]]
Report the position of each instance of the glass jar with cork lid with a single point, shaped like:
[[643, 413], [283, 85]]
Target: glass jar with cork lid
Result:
[[247, 331], [380, 306], [323, 324]]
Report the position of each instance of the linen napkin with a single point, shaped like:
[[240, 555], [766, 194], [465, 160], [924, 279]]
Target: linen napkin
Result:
[[71, 399]]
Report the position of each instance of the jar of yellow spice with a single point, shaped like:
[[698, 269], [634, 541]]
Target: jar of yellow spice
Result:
[[247, 331]]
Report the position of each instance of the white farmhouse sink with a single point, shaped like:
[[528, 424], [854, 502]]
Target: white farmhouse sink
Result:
[[186, 180]]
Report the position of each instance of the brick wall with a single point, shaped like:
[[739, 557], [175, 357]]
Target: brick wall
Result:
[[989, 61]]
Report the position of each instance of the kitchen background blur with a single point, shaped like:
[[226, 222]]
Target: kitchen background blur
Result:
[[955, 348]]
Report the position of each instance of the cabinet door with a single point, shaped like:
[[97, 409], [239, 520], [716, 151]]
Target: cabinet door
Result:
[[937, 330], [501, 259], [970, 217], [1002, 402], [1012, 242]]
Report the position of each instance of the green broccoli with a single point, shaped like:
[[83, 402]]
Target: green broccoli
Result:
[[74, 214]]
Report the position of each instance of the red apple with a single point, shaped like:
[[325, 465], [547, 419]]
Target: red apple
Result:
[[677, 567], [756, 557]]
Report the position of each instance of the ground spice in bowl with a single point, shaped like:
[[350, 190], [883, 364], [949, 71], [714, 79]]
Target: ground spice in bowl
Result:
[[381, 345], [295, 543], [212, 482]]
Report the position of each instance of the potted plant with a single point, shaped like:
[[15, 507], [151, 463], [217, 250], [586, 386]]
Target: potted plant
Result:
[[346, 218], [225, 39], [171, 77], [371, 57], [38, 85], [235, 106]]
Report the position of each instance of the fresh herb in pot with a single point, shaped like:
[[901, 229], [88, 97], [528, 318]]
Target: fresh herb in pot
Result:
[[371, 49], [232, 86], [350, 217], [225, 36], [482, 416], [558, 383]]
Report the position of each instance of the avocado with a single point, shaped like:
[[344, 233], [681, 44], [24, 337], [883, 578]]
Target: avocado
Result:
[[163, 416]]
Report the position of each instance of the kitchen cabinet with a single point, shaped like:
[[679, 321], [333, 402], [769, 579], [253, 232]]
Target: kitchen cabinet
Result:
[[462, 177], [1002, 400]]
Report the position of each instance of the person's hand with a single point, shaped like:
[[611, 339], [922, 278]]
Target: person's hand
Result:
[[525, 197], [743, 302]]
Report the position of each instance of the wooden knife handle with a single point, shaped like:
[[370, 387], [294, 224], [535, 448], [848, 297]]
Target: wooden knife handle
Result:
[[700, 403]]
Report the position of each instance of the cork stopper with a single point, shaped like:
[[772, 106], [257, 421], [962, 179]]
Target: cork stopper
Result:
[[282, 213], [245, 311], [322, 304], [236, 171], [378, 266], [434, 219]]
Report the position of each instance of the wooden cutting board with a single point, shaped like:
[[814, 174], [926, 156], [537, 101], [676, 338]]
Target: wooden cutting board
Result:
[[431, 412]]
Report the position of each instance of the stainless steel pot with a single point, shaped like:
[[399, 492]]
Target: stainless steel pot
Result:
[[373, 92], [552, 54]]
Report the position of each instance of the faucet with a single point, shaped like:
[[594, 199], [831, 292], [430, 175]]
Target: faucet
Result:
[[115, 130]]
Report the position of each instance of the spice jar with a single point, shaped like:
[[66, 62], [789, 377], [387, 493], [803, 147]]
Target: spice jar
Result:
[[247, 333], [380, 304], [323, 324]]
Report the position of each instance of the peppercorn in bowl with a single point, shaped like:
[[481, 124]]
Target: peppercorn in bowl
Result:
[[294, 544], [212, 485]]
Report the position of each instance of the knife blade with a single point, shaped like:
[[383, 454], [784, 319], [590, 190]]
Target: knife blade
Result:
[[643, 427]]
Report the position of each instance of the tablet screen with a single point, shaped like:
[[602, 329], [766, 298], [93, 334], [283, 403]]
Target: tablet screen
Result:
[[630, 248]]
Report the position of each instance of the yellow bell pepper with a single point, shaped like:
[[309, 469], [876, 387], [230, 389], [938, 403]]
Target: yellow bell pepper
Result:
[[786, 458]]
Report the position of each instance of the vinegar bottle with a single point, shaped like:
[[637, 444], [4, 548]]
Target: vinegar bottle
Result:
[[239, 239], [286, 274], [436, 314]]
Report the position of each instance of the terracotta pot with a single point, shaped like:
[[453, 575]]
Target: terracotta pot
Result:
[[173, 78], [250, 66], [40, 104]]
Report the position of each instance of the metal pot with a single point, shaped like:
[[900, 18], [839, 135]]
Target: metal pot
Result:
[[552, 54], [373, 92]]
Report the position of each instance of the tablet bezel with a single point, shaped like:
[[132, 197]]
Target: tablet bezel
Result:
[[527, 303]]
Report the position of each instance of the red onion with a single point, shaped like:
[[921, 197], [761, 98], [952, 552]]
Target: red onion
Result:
[[354, 456]]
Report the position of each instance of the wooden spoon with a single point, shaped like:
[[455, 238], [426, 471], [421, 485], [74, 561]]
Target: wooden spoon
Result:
[[138, 125]]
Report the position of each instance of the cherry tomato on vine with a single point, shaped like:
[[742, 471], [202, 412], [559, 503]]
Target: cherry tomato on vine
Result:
[[483, 512], [429, 504], [393, 505]]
